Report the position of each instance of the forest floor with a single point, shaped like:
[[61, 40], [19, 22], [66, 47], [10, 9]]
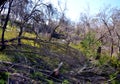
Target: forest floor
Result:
[[27, 64]]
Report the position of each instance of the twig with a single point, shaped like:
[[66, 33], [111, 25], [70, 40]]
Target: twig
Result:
[[111, 79], [81, 70]]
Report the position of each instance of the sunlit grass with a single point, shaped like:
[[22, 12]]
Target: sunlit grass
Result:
[[77, 46], [28, 42], [11, 32], [29, 35]]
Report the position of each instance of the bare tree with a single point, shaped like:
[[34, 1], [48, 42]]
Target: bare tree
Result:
[[59, 20], [116, 23], [4, 26], [20, 12], [105, 18], [85, 22]]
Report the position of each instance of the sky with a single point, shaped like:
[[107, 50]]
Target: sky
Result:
[[75, 7]]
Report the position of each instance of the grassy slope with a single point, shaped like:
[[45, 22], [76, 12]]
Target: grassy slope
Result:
[[36, 61], [42, 57]]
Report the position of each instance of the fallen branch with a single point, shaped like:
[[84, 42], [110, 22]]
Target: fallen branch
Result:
[[22, 66], [19, 75], [23, 51], [25, 38]]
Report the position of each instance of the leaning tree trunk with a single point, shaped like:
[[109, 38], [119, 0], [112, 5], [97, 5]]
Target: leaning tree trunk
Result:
[[111, 39], [4, 27], [53, 31]]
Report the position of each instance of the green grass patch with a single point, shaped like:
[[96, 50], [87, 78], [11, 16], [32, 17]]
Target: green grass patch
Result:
[[115, 62], [30, 35]]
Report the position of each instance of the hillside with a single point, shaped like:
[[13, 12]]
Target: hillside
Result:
[[34, 61], [35, 64]]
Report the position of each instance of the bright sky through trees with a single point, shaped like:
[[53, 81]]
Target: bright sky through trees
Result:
[[75, 7]]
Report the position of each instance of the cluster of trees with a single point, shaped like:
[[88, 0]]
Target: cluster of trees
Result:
[[105, 25], [31, 16]]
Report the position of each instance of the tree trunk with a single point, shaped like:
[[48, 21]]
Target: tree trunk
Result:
[[53, 31], [98, 53], [111, 53], [4, 27], [20, 34]]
